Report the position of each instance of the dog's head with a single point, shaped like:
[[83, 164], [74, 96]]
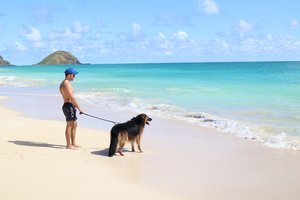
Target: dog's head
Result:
[[144, 118]]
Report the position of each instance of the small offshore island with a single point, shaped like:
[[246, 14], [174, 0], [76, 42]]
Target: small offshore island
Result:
[[56, 58], [60, 58]]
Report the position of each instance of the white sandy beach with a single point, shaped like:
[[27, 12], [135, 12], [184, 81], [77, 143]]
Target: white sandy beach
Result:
[[180, 162]]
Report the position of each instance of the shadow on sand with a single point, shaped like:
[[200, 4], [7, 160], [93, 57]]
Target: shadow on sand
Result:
[[37, 144], [103, 152]]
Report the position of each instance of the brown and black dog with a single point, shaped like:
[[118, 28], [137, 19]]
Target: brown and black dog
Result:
[[131, 130]]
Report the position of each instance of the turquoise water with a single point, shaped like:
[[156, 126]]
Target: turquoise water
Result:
[[253, 100]]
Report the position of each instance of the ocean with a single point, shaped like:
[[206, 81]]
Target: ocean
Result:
[[252, 100]]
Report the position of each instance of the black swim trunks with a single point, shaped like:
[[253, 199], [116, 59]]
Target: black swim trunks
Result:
[[69, 111]]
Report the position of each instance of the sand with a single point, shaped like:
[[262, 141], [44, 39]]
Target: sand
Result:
[[180, 161]]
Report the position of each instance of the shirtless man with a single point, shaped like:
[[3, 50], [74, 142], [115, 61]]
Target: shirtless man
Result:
[[69, 107]]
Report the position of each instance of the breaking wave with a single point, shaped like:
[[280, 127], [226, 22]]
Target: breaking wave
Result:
[[20, 82], [111, 100]]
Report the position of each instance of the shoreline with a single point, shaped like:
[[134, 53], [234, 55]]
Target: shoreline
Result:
[[43, 98], [180, 161]]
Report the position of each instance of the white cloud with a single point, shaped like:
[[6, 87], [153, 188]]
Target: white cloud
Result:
[[39, 44], [161, 36], [135, 35], [78, 27], [32, 34], [222, 44], [136, 29], [269, 36], [208, 7], [66, 35], [162, 41], [19, 46], [297, 45], [245, 26], [289, 43], [98, 35], [180, 35], [168, 53], [3, 47], [294, 24]]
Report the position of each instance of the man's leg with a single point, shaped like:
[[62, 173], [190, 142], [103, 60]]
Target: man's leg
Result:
[[69, 135], [73, 134]]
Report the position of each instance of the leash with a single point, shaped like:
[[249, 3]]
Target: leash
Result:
[[82, 113]]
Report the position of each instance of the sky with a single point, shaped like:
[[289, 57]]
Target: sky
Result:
[[152, 31]]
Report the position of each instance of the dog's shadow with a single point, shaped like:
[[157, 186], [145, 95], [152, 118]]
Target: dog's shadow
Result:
[[37, 144], [103, 152]]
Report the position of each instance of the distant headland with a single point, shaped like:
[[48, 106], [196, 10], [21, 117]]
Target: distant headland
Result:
[[59, 58], [4, 62]]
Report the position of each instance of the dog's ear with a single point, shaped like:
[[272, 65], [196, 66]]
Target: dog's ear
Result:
[[142, 118], [139, 119]]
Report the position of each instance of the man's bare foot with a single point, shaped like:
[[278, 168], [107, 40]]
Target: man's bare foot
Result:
[[76, 145], [71, 147]]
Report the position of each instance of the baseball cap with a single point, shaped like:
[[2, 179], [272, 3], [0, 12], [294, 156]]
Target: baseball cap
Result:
[[71, 71]]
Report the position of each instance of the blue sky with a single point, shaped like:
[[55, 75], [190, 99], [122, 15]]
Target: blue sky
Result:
[[137, 31]]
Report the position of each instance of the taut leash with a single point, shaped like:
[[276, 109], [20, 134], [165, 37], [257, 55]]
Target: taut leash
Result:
[[82, 113]]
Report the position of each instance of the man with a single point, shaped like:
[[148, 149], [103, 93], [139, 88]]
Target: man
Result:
[[69, 107]]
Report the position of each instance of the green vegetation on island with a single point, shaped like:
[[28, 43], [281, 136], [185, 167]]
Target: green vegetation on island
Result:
[[59, 58]]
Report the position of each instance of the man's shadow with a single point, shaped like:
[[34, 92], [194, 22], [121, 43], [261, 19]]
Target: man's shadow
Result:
[[37, 144]]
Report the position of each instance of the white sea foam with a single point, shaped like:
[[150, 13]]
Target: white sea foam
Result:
[[283, 141], [20, 82], [112, 100], [8, 81]]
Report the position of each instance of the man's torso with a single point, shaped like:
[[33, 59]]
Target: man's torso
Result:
[[64, 87]]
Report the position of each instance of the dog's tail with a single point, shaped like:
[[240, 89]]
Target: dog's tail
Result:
[[114, 134]]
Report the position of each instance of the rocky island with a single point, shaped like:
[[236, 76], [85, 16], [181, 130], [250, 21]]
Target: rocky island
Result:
[[4, 62], [59, 58]]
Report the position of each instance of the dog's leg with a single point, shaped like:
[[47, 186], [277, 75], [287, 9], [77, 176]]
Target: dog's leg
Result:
[[121, 145], [132, 145], [120, 152], [138, 141], [114, 140]]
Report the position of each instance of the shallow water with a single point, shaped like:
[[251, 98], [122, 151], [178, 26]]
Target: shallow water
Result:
[[254, 100]]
